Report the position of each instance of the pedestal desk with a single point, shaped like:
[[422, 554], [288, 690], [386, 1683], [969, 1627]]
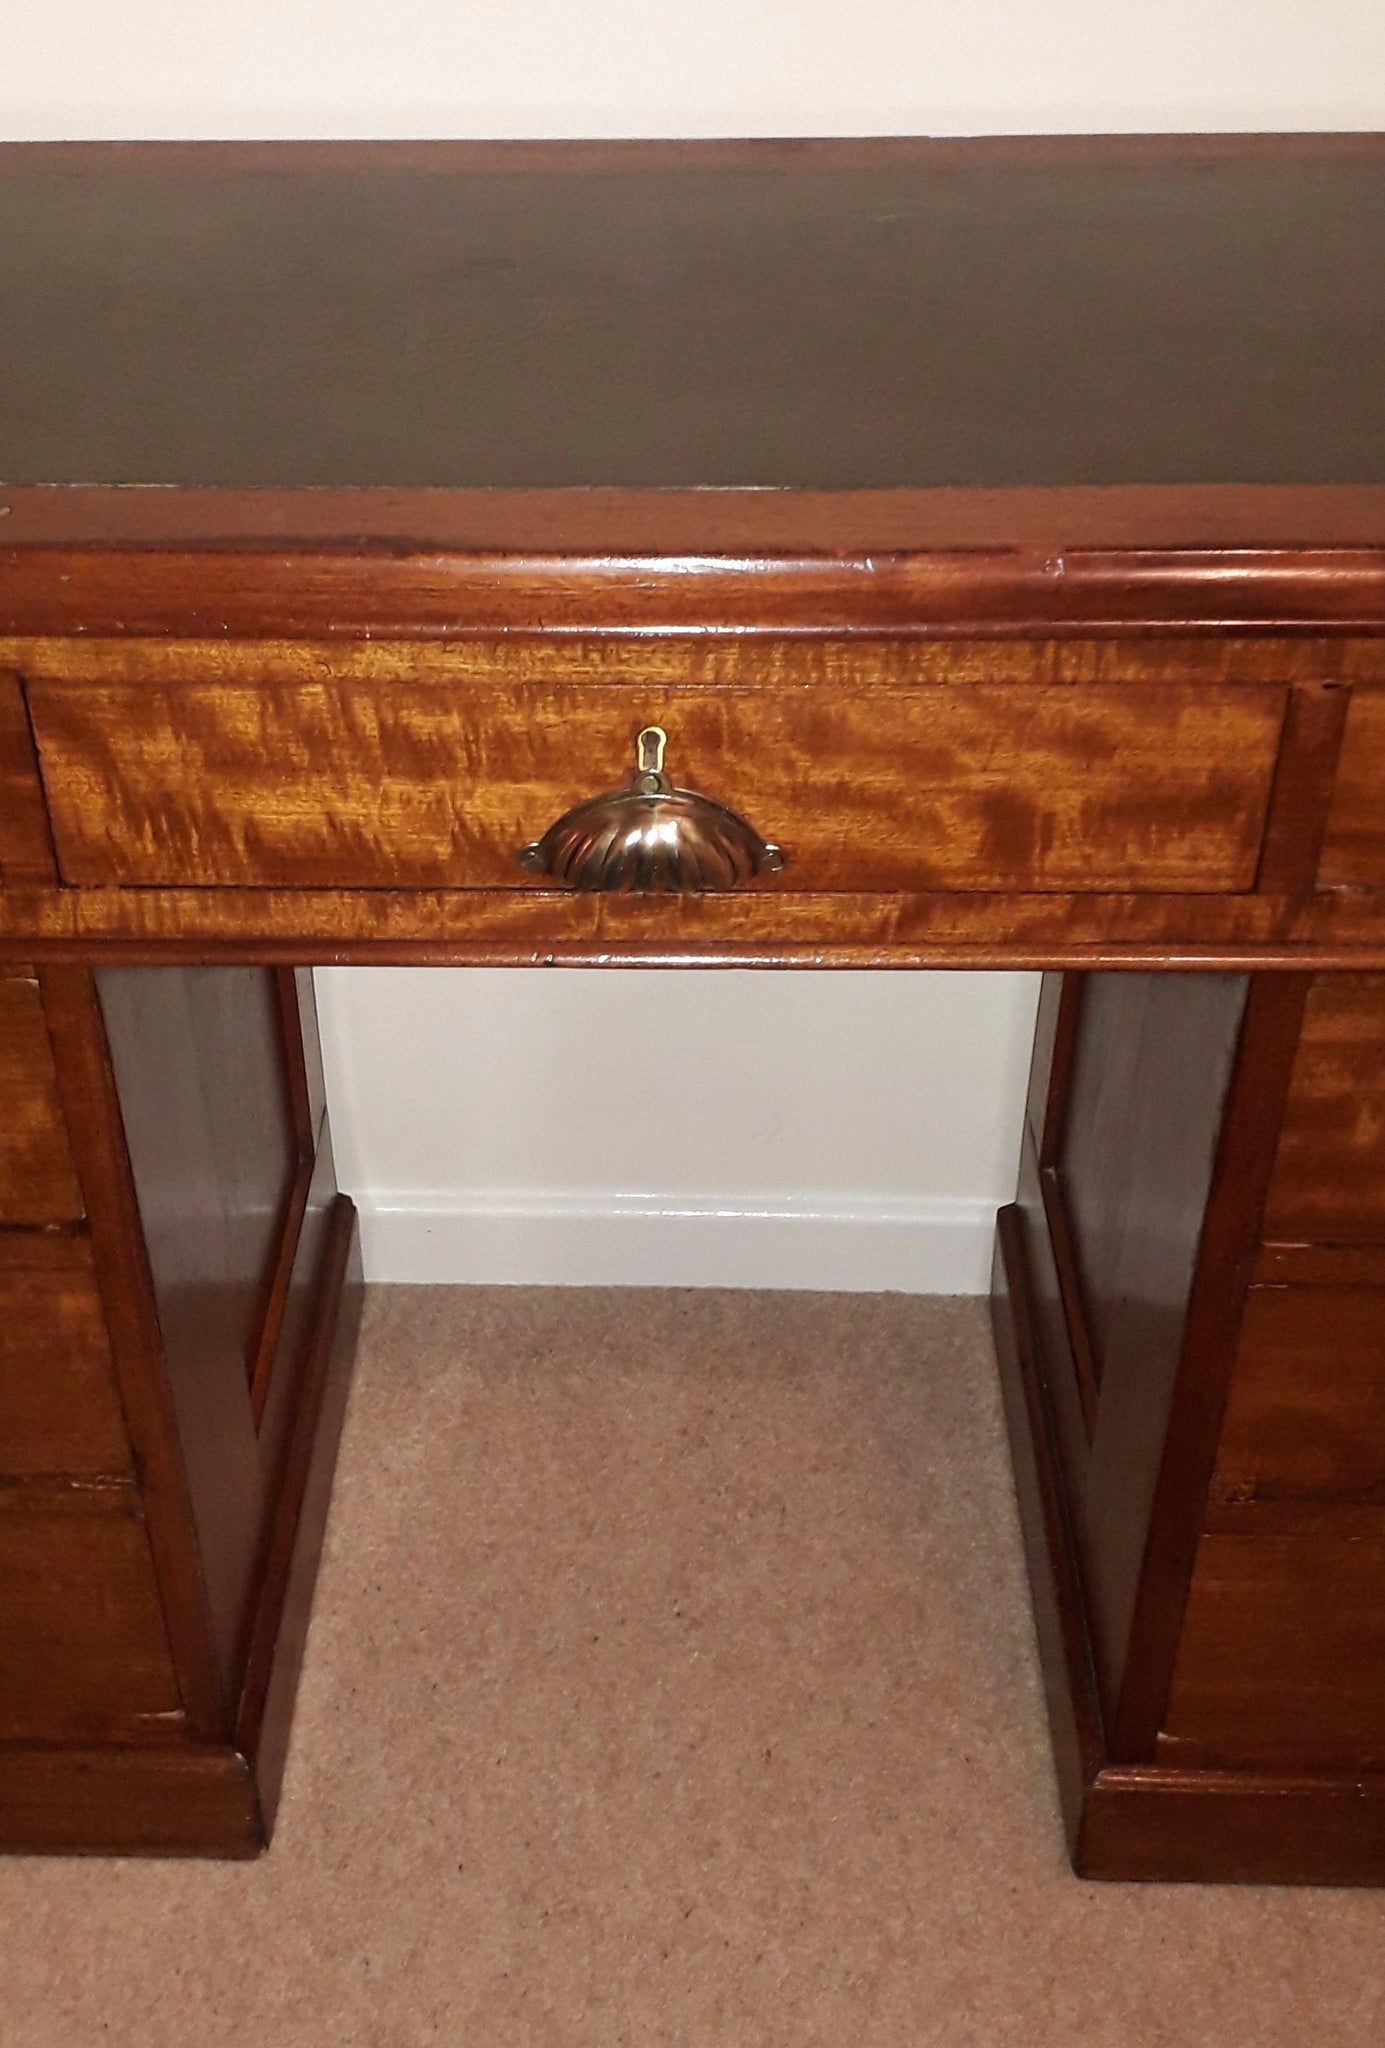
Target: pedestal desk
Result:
[[958, 554]]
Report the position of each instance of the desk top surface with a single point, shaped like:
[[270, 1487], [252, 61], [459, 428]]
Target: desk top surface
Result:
[[828, 317]]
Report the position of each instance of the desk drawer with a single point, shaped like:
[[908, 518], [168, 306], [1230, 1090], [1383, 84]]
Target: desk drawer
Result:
[[59, 1411], [1282, 1657], [37, 1181], [1328, 1184], [351, 782], [83, 1652], [1305, 1419]]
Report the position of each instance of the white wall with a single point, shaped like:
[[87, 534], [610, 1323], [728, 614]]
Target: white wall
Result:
[[733, 1128], [832, 1130], [685, 67]]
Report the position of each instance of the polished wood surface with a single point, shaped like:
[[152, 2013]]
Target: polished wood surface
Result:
[[173, 1361], [1155, 1820], [1354, 853], [986, 790], [711, 567], [1329, 1175], [83, 1652], [199, 1067], [1162, 789], [1141, 1077], [59, 1410], [1306, 1415], [1254, 1561], [37, 1182], [1284, 1599], [1283, 1653], [26, 851]]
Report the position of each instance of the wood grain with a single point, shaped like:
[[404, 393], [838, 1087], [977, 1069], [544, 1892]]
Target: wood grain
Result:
[[1320, 1265], [946, 592], [1353, 854], [1241, 1140], [1060, 1612], [772, 659], [26, 851], [129, 1801], [198, 1057], [759, 927], [1172, 1819], [93, 1756], [37, 1180], [1305, 1419], [1282, 1657], [92, 1111], [83, 1653], [294, 1538], [1063, 715], [1173, 1822], [1328, 1185], [977, 788], [1114, 1226], [1304, 781], [59, 1411]]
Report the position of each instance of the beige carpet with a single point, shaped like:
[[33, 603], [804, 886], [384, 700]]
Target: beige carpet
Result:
[[672, 1683]]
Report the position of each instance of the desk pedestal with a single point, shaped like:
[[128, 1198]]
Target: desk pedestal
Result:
[[1190, 1313], [179, 1284]]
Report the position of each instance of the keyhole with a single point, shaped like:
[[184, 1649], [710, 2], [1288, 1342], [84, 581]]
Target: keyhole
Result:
[[649, 750]]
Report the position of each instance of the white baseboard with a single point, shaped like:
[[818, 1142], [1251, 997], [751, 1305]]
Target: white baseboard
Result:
[[855, 1244]]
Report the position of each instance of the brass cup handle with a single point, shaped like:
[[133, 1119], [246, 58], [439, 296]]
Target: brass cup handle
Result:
[[650, 838]]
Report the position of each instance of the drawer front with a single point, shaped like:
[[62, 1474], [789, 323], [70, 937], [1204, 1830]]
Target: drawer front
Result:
[[38, 1183], [1328, 1184], [83, 1653], [1353, 855], [1305, 1420], [1282, 1657], [59, 1412], [1159, 786]]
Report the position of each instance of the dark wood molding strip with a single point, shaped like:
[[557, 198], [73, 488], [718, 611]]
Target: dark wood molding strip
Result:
[[761, 927], [304, 1128], [1166, 1825], [1065, 1650], [280, 1623], [215, 592], [132, 1801]]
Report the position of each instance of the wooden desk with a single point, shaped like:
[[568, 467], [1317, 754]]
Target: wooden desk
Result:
[[1036, 618]]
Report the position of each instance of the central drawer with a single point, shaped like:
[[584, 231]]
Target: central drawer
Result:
[[352, 772]]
